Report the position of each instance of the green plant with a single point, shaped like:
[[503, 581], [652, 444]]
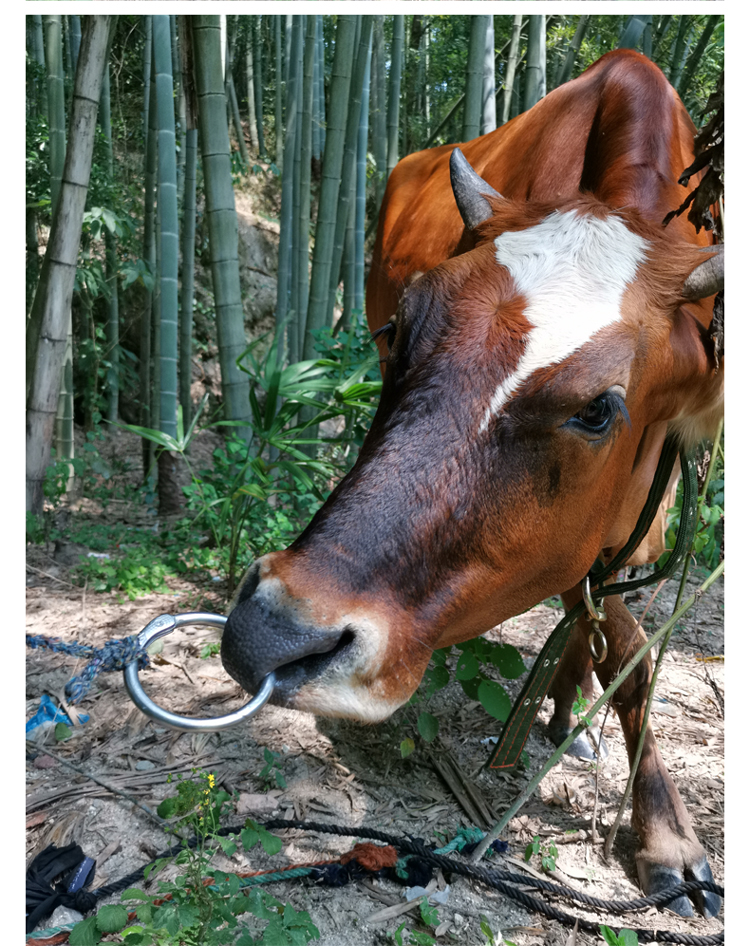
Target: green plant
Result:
[[271, 772], [546, 850], [580, 704], [245, 499], [429, 917], [193, 914], [709, 534], [139, 571], [475, 660], [624, 938], [486, 929]]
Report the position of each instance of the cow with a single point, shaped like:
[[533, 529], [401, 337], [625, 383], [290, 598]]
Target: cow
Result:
[[542, 333]]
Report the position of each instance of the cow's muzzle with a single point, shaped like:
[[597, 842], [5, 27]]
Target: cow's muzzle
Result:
[[269, 629]]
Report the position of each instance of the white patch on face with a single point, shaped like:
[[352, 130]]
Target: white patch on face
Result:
[[573, 270]]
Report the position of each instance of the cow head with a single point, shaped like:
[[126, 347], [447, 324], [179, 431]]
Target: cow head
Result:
[[528, 388]]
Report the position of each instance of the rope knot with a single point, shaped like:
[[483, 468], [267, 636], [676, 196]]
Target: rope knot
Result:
[[372, 857]]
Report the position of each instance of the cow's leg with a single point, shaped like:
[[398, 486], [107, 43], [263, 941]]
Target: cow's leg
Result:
[[670, 851], [576, 670]]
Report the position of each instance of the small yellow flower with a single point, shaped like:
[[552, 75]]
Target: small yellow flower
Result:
[[211, 780]]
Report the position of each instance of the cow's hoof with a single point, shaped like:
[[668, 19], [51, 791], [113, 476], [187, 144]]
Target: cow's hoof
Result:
[[655, 878], [583, 746]]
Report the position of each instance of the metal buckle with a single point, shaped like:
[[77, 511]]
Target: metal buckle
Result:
[[595, 613], [160, 627], [599, 656]]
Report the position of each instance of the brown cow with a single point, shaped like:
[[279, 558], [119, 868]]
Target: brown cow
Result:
[[540, 346]]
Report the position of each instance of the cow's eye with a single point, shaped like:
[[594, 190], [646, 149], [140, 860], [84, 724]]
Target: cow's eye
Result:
[[598, 415]]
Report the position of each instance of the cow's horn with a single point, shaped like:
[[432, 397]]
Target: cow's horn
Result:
[[470, 191], [707, 278]]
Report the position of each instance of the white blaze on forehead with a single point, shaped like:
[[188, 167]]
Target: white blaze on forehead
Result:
[[573, 270]]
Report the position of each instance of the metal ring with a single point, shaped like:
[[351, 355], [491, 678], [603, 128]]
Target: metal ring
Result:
[[160, 627], [599, 657], [595, 613]]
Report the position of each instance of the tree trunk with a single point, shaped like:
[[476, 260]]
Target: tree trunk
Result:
[[188, 223], [284, 281], [32, 256], [474, 67], [38, 43], [361, 191], [305, 152], [632, 33], [258, 72], [394, 93], [55, 290], [110, 243], [252, 122], [661, 32], [169, 240], [379, 138], [147, 418], [489, 112], [512, 66], [75, 40], [56, 102], [349, 165], [320, 107], [318, 314], [221, 216], [679, 49], [695, 57], [536, 65], [232, 97], [566, 70], [278, 91]]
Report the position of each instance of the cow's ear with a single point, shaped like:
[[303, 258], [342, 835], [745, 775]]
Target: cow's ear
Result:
[[471, 191], [708, 276]]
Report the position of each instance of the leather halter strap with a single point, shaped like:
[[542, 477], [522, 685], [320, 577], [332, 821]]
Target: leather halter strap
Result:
[[517, 726]]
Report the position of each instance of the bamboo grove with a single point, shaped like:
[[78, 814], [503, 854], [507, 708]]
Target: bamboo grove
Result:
[[126, 201]]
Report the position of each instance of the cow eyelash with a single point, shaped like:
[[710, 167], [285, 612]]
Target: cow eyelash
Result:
[[599, 414], [389, 328]]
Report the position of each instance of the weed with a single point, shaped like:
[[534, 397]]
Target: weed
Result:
[[580, 704], [271, 772], [429, 917], [547, 851], [624, 938], [475, 659], [486, 929], [193, 914]]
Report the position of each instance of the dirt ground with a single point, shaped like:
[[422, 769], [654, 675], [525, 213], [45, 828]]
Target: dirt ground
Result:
[[347, 774]]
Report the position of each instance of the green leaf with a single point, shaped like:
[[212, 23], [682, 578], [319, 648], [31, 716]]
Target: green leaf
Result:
[[112, 918], [62, 732], [471, 687], [85, 933], [271, 844], [609, 936], [429, 914], [135, 936], [428, 726], [628, 938], [494, 699], [133, 893], [407, 747], [508, 661], [422, 939], [467, 666]]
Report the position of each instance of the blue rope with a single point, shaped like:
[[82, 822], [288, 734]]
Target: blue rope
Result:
[[466, 836], [114, 655]]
